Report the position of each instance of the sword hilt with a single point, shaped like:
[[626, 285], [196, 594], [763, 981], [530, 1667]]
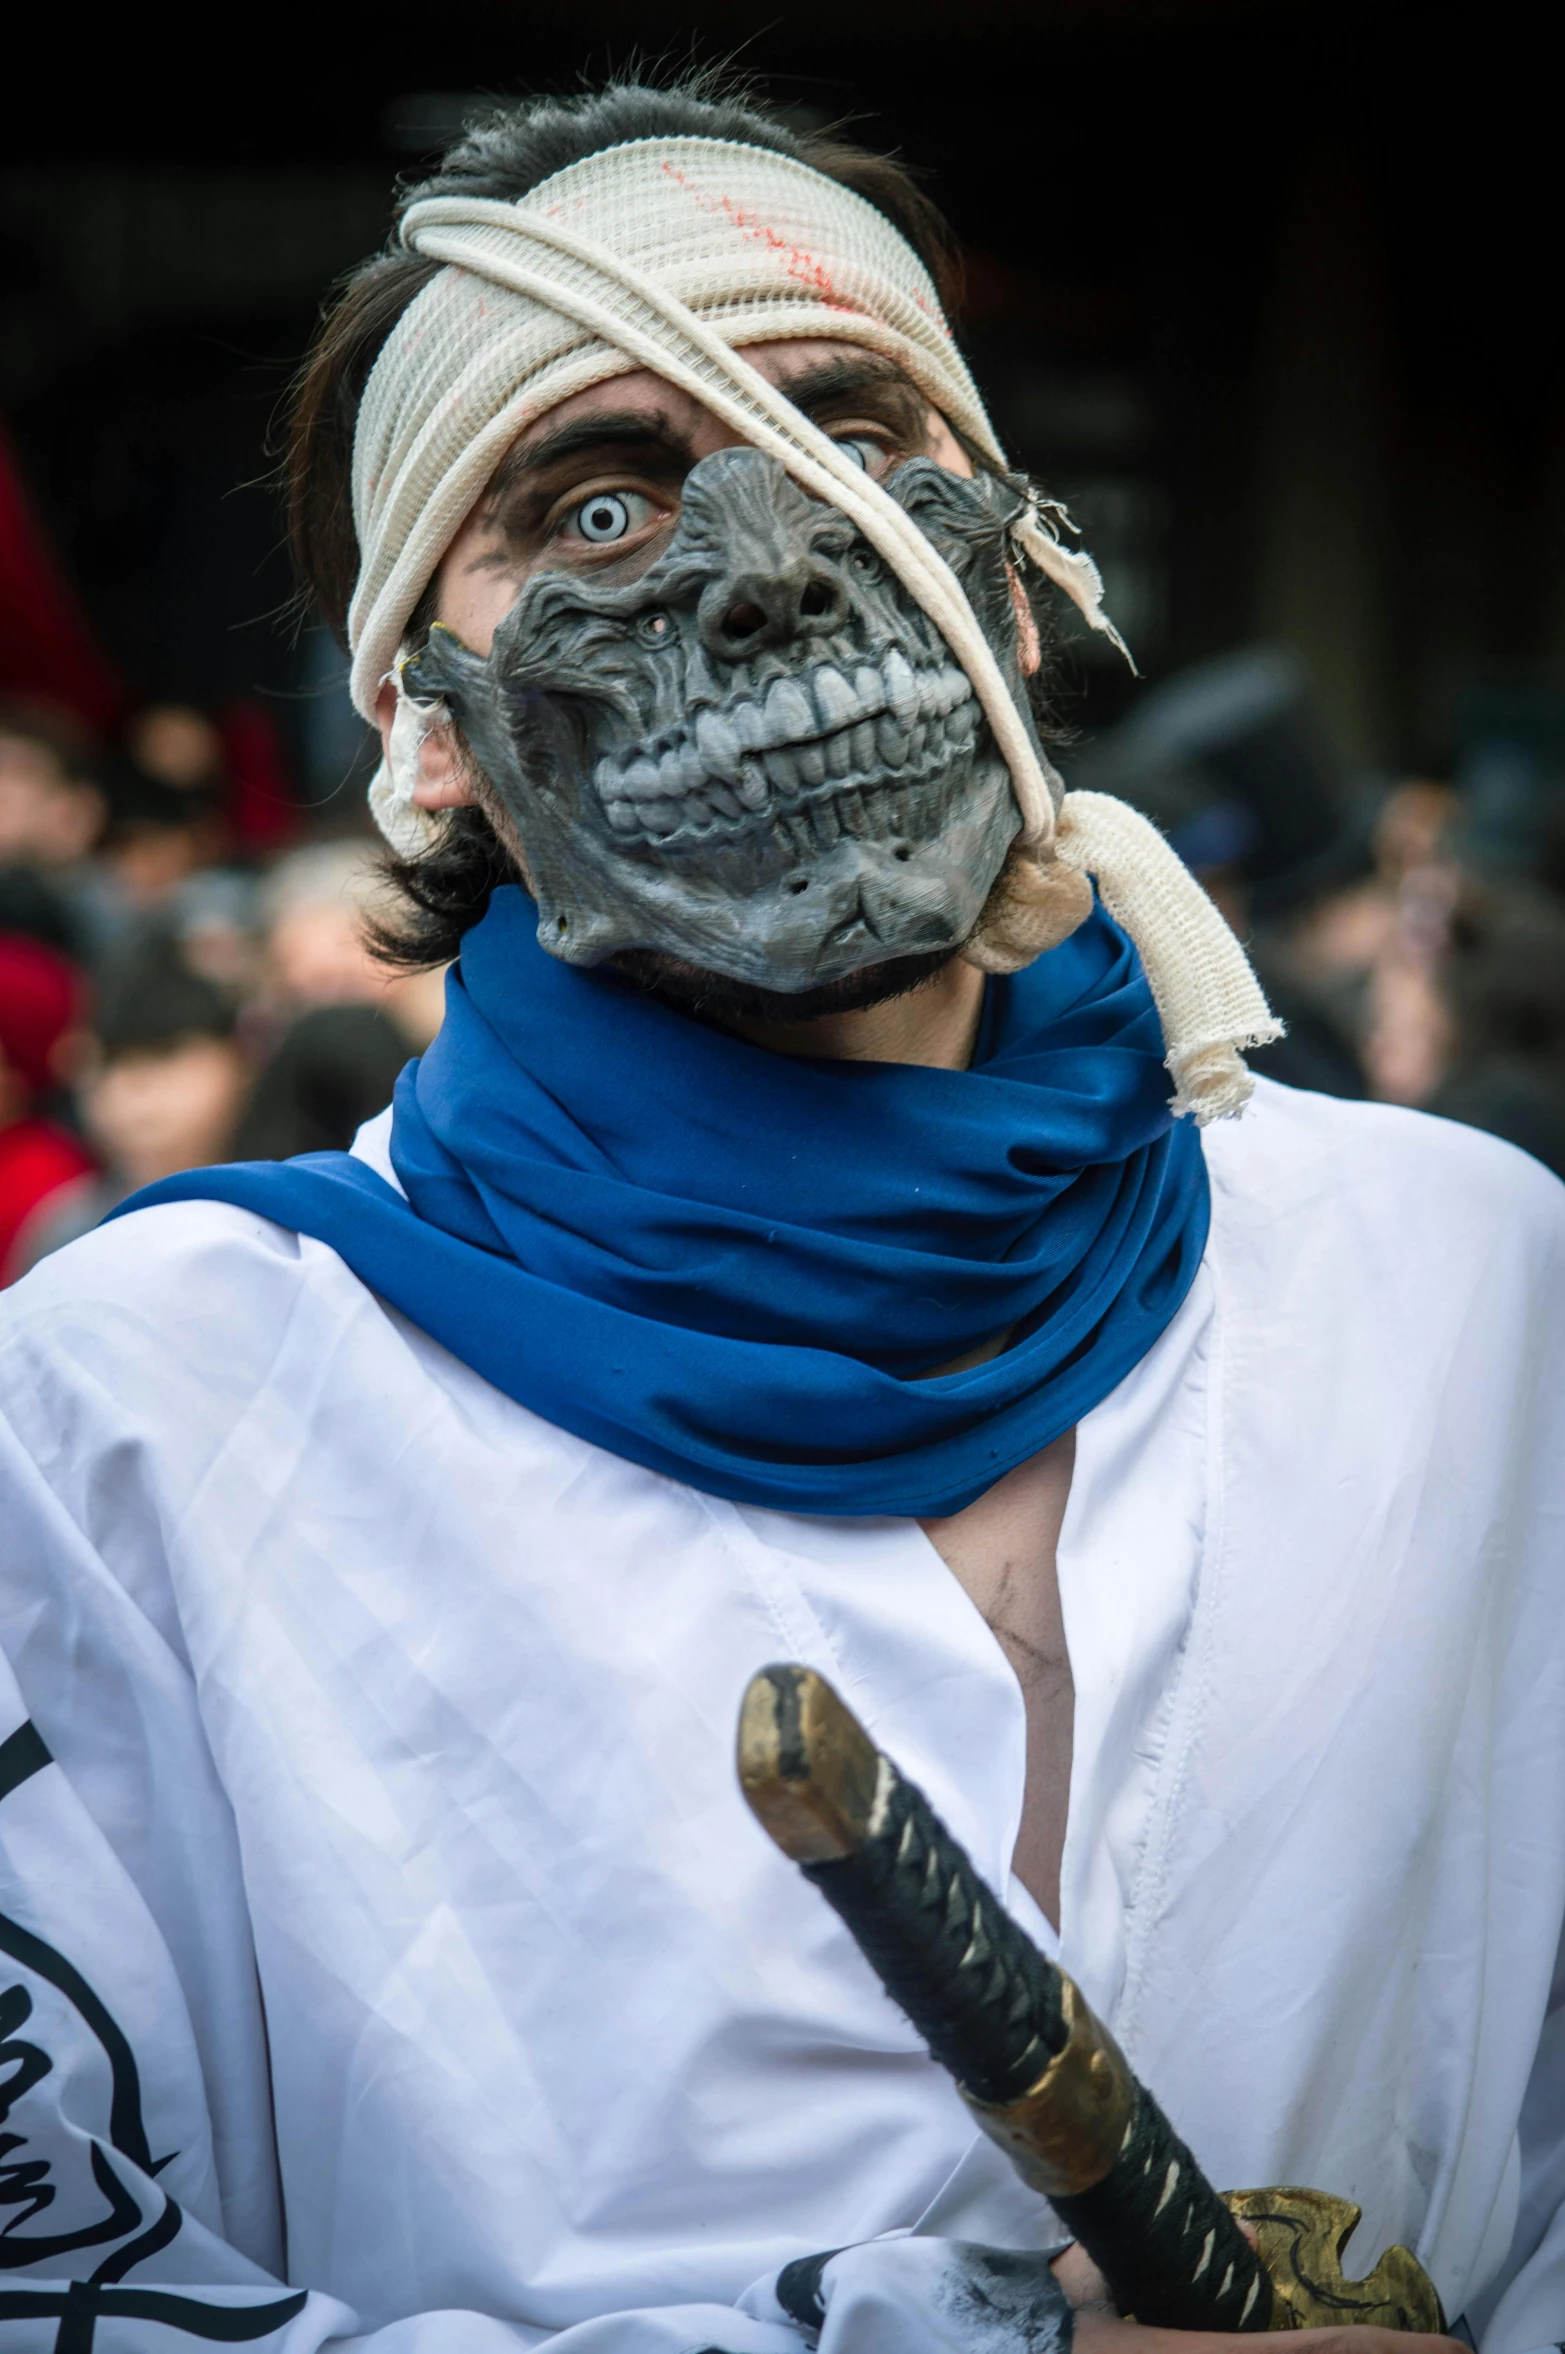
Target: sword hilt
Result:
[[1041, 2075]]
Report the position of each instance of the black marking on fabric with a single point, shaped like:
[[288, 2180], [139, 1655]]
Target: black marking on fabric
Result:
[[30, 2188], [24, 2183], [126, 2131], [83, 2304], [22, 1754], [156, 2237], [27, 2063], [798, 2289]]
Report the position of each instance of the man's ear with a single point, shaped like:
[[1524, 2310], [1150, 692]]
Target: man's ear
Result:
[[442, 778]]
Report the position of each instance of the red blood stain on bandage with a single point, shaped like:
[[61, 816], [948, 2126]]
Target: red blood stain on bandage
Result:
[[935, 318], [801, 265]]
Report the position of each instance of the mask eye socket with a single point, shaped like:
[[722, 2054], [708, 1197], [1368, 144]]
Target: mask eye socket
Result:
[[609, 515]]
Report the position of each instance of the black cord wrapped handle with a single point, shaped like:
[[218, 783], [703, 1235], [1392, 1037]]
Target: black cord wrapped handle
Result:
[[982, 1996], [1163, 2238], [1041, 2075]]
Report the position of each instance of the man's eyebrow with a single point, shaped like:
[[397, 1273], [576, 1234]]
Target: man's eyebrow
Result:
[[840, 379], [622, 427], [810, 388]]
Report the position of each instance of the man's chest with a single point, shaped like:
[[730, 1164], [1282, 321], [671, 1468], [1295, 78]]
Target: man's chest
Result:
[[1002, 1552]]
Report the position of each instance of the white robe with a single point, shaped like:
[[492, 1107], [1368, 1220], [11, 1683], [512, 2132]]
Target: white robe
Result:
[[393, 1828]]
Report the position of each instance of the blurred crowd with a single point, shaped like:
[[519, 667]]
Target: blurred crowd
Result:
[[179, 987], [1409, 930], [172, 991]]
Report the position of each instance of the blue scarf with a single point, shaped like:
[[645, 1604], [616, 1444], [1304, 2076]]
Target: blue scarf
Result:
[[728, 1264]]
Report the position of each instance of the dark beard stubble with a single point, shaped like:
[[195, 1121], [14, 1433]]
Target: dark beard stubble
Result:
[[714, 997]]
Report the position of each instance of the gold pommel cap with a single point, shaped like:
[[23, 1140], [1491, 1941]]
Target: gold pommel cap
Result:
[[811, 1773]]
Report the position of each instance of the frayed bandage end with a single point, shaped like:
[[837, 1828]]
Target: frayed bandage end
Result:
[[1210, 1082]]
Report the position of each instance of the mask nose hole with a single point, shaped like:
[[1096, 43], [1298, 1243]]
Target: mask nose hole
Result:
[[741, 622], [766, 610]]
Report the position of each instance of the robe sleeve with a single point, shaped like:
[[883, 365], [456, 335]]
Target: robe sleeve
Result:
[[140, 2210]]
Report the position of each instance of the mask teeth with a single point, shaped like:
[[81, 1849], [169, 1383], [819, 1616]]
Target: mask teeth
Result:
[[838, 725], [799, 777]]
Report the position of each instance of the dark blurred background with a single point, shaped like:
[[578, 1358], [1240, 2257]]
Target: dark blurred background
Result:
[[1265, 290]]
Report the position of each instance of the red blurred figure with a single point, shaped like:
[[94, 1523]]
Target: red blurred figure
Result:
[[261, 801], [42, 1004]]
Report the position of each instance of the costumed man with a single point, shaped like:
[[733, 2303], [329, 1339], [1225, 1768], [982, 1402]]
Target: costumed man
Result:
[[805, 1240]]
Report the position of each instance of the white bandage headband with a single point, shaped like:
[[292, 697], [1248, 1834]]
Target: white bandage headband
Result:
[[671, 254]]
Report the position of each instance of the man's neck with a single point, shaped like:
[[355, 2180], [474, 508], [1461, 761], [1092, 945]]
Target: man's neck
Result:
[[935, 1024]]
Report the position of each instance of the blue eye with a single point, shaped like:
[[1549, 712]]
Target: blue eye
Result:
[[864, 451], [603, 517], [606, 517]]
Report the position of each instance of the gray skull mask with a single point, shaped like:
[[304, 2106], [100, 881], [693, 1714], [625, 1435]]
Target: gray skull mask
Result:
[[759, 755]]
